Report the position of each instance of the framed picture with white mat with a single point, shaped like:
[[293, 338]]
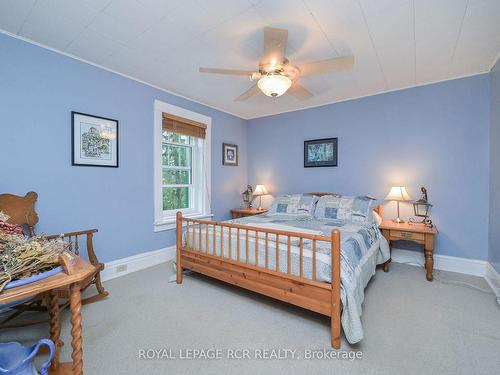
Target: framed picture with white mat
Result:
[[94, 141]]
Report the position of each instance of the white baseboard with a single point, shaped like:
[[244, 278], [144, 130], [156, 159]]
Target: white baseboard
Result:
[[124, 266], [493, 279], [442, 262]]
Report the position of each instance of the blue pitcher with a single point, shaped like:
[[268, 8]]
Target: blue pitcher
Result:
[[16, 359]]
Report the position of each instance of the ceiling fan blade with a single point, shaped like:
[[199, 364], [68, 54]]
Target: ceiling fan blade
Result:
[[299, 92], [248, 94], [275, 41], [234, 72], [327, 66]]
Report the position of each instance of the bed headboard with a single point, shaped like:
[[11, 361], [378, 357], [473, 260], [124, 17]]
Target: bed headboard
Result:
[[320, 194], [378, 209]]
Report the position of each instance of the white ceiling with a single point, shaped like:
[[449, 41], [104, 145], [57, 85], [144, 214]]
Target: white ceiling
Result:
[[396, 43]]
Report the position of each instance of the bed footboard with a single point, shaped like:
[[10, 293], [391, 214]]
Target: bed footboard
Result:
[[205, 255]]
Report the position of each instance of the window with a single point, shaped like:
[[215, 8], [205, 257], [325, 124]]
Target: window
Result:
[[177, 174], [182, 164]]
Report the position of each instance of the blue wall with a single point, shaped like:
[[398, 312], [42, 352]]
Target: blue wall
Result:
[[494, 225], [434, 136], [38, 90]]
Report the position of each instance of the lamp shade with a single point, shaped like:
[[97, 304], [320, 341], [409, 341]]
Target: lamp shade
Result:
[[260, 190], [398, 193], [274, 84]]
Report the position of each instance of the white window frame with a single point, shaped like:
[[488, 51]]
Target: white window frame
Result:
[[165, 220]]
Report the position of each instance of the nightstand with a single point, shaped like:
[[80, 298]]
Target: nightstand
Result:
[[417, 233], [242, 212]]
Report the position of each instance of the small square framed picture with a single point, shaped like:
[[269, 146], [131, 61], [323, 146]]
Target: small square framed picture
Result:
[[94, 141], [229, 154]]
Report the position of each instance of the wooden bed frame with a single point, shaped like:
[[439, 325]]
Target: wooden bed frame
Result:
[[318, 296]]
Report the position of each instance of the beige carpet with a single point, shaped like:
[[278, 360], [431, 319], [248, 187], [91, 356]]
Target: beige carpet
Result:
[[411, 327]]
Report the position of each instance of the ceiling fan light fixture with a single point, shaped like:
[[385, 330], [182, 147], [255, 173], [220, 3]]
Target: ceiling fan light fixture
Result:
[[276, 74], [274, 85]]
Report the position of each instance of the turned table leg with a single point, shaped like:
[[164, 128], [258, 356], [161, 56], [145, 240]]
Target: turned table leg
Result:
[[429, 256], [75, 304], [55, 326], [429, 264]]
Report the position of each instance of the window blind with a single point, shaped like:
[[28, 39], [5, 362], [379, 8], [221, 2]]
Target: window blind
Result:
[[184, 126]]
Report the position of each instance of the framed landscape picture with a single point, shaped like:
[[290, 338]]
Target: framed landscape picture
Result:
[[229, 154], [320, 153], [94, 141]]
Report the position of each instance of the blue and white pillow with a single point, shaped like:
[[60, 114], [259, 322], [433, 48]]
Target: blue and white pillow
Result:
[[332, 207], [296, 204], [353, 209], [361, 210]]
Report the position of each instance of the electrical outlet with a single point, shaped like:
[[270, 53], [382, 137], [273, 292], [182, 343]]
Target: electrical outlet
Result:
[[121, 268]]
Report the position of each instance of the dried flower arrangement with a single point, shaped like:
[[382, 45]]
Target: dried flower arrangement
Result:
[[22, 257]]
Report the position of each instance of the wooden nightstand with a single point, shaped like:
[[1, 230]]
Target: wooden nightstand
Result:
[[411, 232], [242, 212]]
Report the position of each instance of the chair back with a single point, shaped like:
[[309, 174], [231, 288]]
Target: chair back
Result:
[[21, 210]]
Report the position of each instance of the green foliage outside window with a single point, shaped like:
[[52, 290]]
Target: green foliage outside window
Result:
[[176, 177], [176, 156], [175, 198], [176, 138]]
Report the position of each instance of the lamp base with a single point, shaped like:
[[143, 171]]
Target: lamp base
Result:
[[398, 219], [260, 203]]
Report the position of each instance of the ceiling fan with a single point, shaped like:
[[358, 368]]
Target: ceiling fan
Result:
[[276, 75]]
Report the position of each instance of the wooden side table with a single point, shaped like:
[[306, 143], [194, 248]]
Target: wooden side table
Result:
[[417, 233], [81, 270], [242, 212]]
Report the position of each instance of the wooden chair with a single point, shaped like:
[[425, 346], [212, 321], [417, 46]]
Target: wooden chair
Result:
[[22, 212]]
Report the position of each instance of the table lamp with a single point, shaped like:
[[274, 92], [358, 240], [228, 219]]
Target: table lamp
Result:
[[398, 194], [259, 191]]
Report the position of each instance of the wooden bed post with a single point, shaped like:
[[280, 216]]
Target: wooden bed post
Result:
[[335, 316], [179, 247]]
